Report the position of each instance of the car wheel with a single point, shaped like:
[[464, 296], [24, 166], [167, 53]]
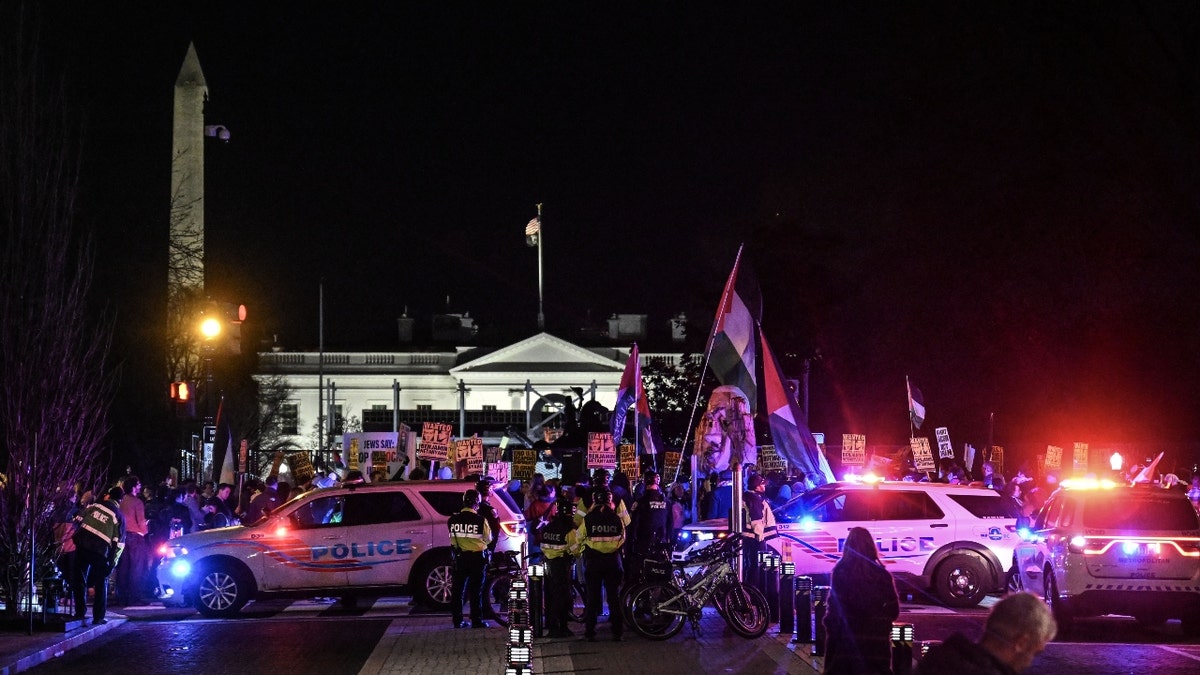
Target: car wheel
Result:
[[1015, 582], [962, 580], [223, 590], [1058, 605], [432, 585]]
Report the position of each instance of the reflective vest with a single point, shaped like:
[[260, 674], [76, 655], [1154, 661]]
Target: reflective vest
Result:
[[556, 538], [582, 510], [759, 521], [469, 531], [102, 530], [602, 531]]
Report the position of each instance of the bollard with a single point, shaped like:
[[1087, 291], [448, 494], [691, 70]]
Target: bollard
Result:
[[787, 599], [770, 577], [760, 571], [804, 609], [820, 601], [902, 648], [537, 574]]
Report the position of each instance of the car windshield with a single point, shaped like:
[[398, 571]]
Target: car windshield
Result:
[[1140, 512], [802, 505]]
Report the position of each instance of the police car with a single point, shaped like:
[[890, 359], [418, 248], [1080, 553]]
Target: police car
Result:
[[1096, 547], [953, 539], [364, 540]]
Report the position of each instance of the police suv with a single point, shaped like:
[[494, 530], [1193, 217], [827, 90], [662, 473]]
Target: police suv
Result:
[[1096, 547], [954, 539], [364, 540]]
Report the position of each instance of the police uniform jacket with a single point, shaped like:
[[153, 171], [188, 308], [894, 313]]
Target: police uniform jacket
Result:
[[488, 512], [602, 531], [102, 529], [469, 531], [557, 539], [759, 521], [650, 518], [582, 509]]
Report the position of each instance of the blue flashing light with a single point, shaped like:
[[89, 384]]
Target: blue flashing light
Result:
[[181, 568]]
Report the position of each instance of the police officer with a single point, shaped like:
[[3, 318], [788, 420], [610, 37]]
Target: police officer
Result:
[[649, 523], [99, 541], [600, 478], [484, 488], [469, 536], [601, 537], [758, 526], [559, 547]]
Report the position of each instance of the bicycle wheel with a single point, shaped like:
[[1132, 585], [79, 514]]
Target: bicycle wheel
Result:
[[646, 613], [746, 611], [495, 599], [626, 599]]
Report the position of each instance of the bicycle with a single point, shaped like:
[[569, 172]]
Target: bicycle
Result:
[[657, 609], [503, 567]]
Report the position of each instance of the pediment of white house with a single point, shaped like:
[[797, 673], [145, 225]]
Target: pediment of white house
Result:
[[542, 353]]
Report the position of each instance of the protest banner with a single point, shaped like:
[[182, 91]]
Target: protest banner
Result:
[[629, 463], [922, 454], [524, 464], [601, 453], [769, 460], [1080, 458], [1053, 457], [435, 441], [854, 449], [945, 450]]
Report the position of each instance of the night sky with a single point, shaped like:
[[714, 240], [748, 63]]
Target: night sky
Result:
[[998, 200]]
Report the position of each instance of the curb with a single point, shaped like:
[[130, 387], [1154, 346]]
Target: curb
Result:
[[33, 656]]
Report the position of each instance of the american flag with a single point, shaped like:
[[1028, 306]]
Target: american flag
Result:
[[533, 227]]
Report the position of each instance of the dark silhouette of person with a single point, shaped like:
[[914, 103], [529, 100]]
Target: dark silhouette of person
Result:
[[862, 606]]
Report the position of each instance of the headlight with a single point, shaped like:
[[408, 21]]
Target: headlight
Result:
[[704, 536], [180, 568]]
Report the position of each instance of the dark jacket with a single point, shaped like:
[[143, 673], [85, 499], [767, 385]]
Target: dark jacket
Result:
[[650, 521], [959, 656], [862, 606]]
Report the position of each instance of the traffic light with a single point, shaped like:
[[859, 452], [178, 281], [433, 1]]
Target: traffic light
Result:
[[221, 326], [184, 396]]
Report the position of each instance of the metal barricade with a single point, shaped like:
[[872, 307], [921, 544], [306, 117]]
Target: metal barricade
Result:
[[770, 581], [820, 605], [803, 598], [902, 648], [787, 599]]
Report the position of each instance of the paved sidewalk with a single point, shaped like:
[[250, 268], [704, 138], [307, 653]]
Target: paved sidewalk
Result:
[[484, 651], [20, 650]]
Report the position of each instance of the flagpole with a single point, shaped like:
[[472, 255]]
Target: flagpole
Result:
[[712, 336], [637, 389], [541, 234]]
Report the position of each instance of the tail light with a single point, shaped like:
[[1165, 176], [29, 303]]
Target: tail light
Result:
[[511, 528], [1076, 543]]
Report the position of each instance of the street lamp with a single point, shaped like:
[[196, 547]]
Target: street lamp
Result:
[[210, 329]]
